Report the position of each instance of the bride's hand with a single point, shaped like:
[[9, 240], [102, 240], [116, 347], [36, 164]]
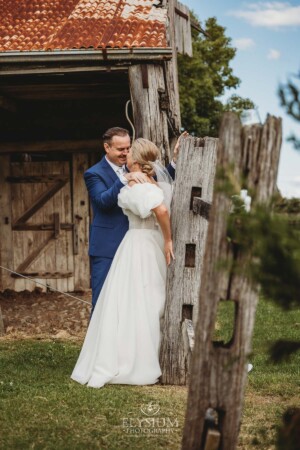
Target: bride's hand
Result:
[[176, 148], [169, 252]]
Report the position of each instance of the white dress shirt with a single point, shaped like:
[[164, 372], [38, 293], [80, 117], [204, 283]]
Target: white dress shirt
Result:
[[119, 170]]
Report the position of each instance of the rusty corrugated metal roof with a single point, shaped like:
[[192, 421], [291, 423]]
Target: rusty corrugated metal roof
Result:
[[28, 25]]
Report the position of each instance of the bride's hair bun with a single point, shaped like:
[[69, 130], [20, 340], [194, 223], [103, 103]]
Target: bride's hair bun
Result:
[[145, 152], [147, 169]]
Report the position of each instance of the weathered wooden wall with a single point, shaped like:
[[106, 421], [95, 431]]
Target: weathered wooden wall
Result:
[[44, 222], [195, 173], [249, 157], [183, 34]]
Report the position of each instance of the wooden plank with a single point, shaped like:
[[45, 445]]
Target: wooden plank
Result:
[[6, 235], [49, 210], [19, 196], [41, 227], [40, 202], [48, 275], [28, 241], [39, 217], [67, 201], [81, 218], [60, 203]]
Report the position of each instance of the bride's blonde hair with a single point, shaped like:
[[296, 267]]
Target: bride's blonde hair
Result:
[[145, 152]]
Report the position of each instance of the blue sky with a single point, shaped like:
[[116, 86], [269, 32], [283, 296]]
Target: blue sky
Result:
[[267, 36]]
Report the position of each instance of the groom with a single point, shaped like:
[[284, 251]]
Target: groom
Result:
[[104, 181]]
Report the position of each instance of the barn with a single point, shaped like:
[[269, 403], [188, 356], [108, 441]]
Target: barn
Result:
[[70, 69]]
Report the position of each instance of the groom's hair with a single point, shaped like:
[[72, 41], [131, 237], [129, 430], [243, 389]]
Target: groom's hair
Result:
[[115, 131]]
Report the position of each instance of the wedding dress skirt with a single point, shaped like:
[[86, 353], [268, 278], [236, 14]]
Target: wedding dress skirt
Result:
[[122, 341]]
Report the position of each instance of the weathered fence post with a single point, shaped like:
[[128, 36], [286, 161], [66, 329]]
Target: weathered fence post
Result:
[[192, 197], [219, 370]]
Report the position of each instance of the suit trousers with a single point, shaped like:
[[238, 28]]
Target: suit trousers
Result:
[[99, 269]]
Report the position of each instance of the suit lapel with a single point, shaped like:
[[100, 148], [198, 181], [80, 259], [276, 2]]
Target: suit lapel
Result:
[[108, 169]]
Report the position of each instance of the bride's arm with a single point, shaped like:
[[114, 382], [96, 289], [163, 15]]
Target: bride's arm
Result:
[[163, 218]]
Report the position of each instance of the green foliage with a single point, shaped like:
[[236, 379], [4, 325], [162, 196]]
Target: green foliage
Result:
[[274, 249], [290, 99], [288, 205], [204, 78], [237, 104]]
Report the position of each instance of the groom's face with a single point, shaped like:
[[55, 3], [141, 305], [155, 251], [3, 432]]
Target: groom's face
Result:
[[117, 150]]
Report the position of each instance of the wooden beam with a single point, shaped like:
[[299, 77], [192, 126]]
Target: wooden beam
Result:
[[51, 146], [53, 275]]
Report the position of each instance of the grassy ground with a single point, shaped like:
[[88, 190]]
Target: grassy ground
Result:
[[41, 408]]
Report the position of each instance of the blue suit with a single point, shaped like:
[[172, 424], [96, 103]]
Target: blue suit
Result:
[[109, 223]]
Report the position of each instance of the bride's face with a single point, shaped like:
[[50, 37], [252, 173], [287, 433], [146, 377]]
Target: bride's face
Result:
[[131, 164]]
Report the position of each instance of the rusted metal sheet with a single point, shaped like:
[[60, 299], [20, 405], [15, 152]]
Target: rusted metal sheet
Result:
[[40, 25]]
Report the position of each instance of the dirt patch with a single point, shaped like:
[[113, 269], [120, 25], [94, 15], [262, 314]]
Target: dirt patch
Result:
[[39, 314]]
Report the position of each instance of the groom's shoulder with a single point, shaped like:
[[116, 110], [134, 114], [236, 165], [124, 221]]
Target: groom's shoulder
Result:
[[96, 168]]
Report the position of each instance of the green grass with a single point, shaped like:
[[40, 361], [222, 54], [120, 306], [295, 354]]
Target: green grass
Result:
[[41, 408]]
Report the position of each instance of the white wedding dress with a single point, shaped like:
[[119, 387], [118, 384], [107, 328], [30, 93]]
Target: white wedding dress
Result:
[[122, 341]]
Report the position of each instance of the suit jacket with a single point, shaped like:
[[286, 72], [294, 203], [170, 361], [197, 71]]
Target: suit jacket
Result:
[[109, 223]]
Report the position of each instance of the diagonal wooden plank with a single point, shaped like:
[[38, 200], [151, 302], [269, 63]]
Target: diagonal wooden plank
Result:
[[41, 201], [36, 253]]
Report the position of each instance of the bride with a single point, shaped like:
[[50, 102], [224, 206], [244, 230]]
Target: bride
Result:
[[122, 341]]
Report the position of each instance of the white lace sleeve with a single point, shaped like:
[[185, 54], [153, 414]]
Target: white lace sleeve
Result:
[[141, 198]]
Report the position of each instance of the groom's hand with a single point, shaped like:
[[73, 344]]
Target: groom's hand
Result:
[[137, 177], [176, 148]]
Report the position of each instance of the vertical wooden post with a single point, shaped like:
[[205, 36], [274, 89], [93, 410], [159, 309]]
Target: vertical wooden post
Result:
[[6, 243], [147, 88], [195, 173], [219, 371], [172, 75], [155, 96], [81, 221]]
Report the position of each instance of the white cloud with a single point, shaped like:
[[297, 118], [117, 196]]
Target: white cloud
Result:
[[273, 54], [269, 14], [296, 180], [243, 43]]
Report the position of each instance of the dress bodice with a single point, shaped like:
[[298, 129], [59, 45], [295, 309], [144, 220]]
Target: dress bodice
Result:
[[136, 222], [137, 203]]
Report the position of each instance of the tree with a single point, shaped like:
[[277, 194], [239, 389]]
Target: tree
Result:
[[290, 99], [205, 77]]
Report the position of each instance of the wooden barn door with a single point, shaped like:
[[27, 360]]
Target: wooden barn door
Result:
[[44, 238]]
